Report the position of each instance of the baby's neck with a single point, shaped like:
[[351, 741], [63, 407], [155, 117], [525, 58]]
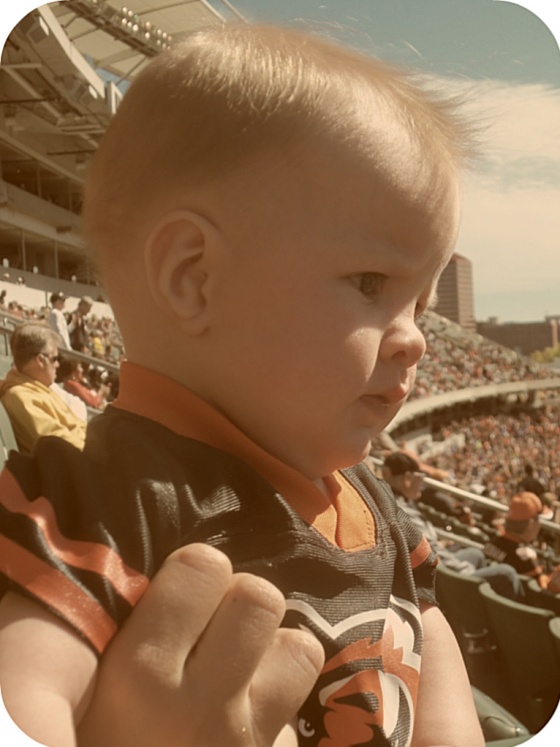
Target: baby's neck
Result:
[[327, 486]]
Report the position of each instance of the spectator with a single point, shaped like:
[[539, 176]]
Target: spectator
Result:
[[57, 320], [431, 496], [77, 405], [71, 374], [34, 409], [403, 474], [441, 501], [96, 344], [15, 309], [530, 483], [77, 328], [550, 503], [514, 545]]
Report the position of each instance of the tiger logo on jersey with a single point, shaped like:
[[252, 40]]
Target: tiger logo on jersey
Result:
[[366, 692]]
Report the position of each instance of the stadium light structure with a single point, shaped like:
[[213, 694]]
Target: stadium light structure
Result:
[[124, 25]]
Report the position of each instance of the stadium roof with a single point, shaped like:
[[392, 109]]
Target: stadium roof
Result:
[[63, 70], [62, 73], [121, 36]]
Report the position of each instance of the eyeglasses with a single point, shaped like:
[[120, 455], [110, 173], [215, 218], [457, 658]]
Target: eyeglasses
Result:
[[51, 358]]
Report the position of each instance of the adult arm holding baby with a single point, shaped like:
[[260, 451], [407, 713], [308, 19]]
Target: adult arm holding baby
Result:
[[150, 688], [243, 685]]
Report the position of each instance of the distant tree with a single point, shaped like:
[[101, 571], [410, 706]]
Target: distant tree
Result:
[[547, 355]]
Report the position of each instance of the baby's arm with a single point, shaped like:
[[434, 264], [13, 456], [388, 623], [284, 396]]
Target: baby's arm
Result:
[[46, 671], [445, 716]]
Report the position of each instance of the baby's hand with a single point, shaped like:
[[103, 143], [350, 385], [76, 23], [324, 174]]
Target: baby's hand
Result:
[[201, 662]]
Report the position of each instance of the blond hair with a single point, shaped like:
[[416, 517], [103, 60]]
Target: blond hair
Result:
[[196, 112]]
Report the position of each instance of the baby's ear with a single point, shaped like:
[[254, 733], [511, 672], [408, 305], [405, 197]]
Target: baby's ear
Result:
[[178, 260]]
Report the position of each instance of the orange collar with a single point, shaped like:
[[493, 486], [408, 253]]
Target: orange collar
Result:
[[165, 401]]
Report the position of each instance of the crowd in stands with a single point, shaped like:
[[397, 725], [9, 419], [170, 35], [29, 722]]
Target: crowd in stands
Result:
[[484, 454], [488, 454], [403, 473], [456, 359], [101, 337]]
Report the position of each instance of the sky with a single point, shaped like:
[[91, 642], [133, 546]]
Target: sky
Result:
[[507, 62]]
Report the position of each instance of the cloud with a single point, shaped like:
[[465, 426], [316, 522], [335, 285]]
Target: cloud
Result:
[[520, 136], [511, 215]]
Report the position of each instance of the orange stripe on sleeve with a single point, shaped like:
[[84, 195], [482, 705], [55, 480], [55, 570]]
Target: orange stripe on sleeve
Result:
[[88, 556], [420, 553], [58, 592]]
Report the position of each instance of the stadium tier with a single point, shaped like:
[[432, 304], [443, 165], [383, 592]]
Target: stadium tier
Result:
[[63, 72]]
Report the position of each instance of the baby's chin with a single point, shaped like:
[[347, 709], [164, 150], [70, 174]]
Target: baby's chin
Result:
[[352, 457]]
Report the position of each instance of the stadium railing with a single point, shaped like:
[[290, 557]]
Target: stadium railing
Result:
[[477, 500], [471, 394], [7, 326]]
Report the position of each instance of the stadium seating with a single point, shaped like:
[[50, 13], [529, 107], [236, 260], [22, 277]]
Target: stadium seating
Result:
[[496, 722], [438, 518], [464, 609], [541, 598], [529, 655], [458, 595], [554, 626], [473, 533], [7, 438]]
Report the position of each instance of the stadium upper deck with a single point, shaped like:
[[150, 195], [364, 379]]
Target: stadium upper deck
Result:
[[62, 74]]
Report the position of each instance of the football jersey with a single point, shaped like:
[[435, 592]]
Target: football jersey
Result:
[[83, 533]]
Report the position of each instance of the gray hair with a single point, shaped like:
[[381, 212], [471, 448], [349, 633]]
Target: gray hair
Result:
[[29, 339]]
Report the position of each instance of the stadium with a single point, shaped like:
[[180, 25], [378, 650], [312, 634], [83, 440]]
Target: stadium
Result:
[[480, 413]]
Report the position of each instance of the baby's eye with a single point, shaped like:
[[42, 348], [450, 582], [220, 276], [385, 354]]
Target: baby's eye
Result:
[[370, 284]]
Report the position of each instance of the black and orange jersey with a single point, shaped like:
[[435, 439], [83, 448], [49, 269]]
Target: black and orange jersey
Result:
[[506, 548], [83, 532]]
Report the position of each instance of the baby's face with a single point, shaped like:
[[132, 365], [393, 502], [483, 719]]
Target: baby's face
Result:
[[326, 280]]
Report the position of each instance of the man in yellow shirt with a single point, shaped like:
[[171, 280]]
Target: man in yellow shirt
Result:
[[34, 409]]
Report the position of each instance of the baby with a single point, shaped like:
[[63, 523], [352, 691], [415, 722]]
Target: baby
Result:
[[270, 214]]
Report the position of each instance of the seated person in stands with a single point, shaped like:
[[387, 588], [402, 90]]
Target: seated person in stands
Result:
[[515, 544], [440, 500], [403, 474], [34, 409], [71, 375], [268, 238]]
